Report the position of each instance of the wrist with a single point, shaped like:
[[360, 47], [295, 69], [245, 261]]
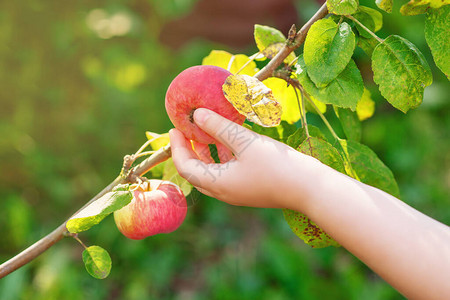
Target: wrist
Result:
[[302, 183]]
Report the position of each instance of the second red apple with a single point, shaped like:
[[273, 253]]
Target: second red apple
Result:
[[157, 207]]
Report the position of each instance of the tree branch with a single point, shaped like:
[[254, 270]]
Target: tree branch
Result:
[[267, 71], [56, 235], [159, 156], [286, 76]]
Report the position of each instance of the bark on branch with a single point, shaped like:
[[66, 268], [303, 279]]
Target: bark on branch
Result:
[[49, 240], [267, 71]]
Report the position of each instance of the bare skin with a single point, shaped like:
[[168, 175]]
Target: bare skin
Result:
[[410, 250]]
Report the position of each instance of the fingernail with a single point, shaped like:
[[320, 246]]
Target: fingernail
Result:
[[201, 115]]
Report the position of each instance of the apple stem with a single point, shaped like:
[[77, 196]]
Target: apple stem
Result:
[[191, 115]]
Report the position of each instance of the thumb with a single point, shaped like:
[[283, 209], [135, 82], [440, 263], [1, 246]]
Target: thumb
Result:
[[232, 135]]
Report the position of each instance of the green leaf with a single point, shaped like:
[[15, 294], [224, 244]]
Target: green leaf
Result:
[[344, 91], [370, 18], [271, 132], [269, 41], [157, 171], [369, 168], [437, 26], [328, 50], [401, 72], [214, 153], [97, 262], [285, 130], [248, 126], [170, 173], [320, 105], [300, 224], [342, 7], [366, 106], [307, 230], [350, 123], [376, 16], [385, 5], [417, 7], [266, 36], [323, 151], [95, 212], [279, 133], [251, 98], [367, 44], [295, 139]]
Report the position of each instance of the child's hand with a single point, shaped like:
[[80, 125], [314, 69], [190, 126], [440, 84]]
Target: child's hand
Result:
[[408, 249], [261, 174]]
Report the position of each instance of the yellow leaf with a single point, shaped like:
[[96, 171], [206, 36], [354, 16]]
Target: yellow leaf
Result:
[[366, 106], [222, 59], [159, 140], [253, 99], [287, 98]]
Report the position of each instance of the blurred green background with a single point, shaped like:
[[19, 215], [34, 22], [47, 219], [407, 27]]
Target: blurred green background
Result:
[[81, 82]]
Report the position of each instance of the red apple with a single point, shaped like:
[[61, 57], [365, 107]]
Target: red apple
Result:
[[195, 87], [157, 207]]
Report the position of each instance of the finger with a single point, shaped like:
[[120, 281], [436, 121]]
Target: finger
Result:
[[233, 136], [181, 146], [224, 153], [202, 151], [183, 156], [188, 166]]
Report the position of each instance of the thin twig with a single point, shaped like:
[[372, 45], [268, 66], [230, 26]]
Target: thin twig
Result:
[[75, 236], [146, 144], [56, 235], [301, 108], [250, 59], [230, 63], [295, 83], [145, 153], [330, 128], [304, 113]]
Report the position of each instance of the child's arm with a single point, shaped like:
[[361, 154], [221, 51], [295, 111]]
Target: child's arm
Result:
[[408, 249]]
